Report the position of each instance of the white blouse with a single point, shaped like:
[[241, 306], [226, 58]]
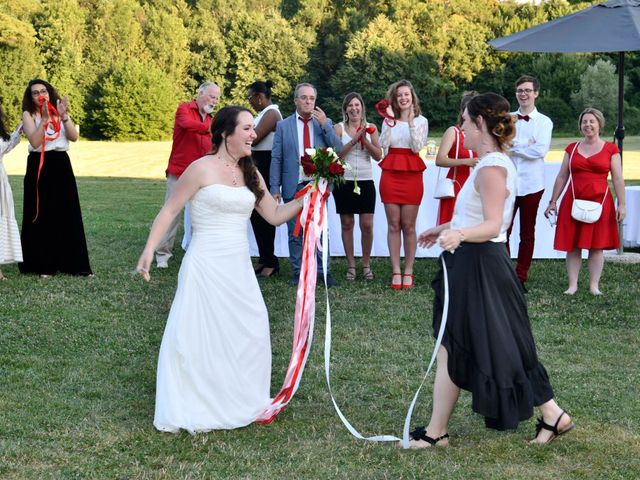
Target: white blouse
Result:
[[358, 158], [60, 144], [267, 141], [401, 136], [468, 210]]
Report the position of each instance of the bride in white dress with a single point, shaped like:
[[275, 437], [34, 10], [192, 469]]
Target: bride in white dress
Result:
[[214, 367]]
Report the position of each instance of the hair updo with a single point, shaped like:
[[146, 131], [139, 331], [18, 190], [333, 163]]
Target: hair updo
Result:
[[495, 111], [261, 87]]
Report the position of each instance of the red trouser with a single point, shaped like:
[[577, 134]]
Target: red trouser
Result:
[[528, 205]]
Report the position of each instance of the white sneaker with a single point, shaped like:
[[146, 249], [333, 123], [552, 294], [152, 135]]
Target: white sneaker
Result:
[[162, 264]]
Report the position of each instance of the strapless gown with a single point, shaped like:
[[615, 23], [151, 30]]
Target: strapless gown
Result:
[[214, 367]]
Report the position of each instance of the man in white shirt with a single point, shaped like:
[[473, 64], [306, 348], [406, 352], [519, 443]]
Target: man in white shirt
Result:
[[530, 146]]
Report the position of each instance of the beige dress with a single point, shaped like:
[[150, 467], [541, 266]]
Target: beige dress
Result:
[[10, 248]]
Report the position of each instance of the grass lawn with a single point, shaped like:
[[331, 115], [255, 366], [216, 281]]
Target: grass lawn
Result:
[[149, 159], [78, 359]]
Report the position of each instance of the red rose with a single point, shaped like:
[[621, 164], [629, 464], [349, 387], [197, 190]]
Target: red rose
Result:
[[336, 169], [307, 165]]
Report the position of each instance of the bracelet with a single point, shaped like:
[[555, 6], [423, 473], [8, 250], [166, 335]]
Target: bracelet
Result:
[[65, 119], [552, 202]]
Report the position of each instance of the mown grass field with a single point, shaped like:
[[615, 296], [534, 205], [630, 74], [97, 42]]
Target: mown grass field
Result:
[[149, 159], [78, 359]]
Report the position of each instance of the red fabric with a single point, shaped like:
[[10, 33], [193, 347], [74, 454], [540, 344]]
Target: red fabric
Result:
[[191, 138], [590, 183], [402, 160], [528, 207], [445, 214]]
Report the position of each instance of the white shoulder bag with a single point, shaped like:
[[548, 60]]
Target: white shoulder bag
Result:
[[444, 186], [585, 211]]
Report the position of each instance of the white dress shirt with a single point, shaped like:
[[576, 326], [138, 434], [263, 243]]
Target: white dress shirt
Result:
[[530, 146]]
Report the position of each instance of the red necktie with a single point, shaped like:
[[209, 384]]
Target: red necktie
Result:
[[306, 134], [523, 117]]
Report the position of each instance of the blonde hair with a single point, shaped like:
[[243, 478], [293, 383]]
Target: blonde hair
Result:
[[596, 113]]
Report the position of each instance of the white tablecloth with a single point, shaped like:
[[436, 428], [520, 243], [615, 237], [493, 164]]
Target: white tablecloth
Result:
[[631, 230], [427, 217]]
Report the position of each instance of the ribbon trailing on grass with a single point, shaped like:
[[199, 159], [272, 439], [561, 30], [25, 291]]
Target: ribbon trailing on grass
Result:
[[50, 132], [314, 218]]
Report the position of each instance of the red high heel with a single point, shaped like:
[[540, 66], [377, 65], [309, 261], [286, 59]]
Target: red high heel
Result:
[[396, 286], [407, 286]]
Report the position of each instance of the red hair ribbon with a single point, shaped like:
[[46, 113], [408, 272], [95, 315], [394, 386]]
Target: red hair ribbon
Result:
[[54, 126], [381, 108]]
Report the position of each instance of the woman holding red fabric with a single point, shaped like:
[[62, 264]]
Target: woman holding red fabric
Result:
[[453, 154], [401, 184], [586, 165], [52, 236]]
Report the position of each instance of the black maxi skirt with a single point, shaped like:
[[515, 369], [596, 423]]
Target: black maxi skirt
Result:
[[55, 241], [488, 338]]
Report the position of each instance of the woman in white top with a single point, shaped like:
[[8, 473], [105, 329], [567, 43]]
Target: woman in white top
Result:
[[401, 184], [488, 347], [52, 236], [357, 195], [10, 251], [259, 95]]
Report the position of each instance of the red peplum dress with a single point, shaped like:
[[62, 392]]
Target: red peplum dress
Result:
[[458, 174], [590, 183], [401, 180]]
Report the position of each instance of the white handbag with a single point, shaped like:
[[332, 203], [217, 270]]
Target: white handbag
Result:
[[444, 186], [585, 211]]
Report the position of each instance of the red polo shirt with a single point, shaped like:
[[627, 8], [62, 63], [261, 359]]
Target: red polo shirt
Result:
[[191, 138]]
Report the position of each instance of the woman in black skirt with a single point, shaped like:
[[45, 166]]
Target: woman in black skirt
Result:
[[52, 235], [488, 347], [358, 194], [259, 95]]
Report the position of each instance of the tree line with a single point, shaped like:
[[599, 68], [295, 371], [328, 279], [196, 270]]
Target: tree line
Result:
[[126, 64]]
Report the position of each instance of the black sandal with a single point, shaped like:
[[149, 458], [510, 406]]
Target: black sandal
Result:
[[420, 433], [553, 429]]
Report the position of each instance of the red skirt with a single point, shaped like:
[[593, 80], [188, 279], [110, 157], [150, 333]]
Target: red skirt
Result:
[[401, 180]]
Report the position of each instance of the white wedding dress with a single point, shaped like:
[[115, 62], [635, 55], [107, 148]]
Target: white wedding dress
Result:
[[214, 367]]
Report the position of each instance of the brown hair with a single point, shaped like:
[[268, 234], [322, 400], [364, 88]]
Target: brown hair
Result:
[[347, 101], [464, 101], [529, 78], [494, 109], [4, 134], [393, 101], [225, 122], [28, 105], [596, 113]]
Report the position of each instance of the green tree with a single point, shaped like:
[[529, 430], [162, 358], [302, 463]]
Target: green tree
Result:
[[61, 50], [136, 101], [19, 64], [598, 89]]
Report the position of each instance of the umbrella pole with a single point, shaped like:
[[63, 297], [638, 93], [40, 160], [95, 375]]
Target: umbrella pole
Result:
[[619, 134]]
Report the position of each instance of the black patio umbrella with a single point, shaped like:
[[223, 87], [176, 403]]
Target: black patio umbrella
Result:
[[613, 26]]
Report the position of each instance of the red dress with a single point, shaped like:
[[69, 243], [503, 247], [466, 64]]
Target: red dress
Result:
[[590, 183], [461, 172], [401, 179]]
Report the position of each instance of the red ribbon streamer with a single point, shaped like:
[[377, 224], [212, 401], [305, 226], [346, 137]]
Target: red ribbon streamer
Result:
[[55, 124]]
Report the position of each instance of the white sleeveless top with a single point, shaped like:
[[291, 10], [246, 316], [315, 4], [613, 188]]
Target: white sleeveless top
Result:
[[468, 209], [60, 144], [267, 142], [359, 159]]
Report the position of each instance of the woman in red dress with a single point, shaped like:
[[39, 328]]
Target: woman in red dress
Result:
[[401, 184], [587, 164], [453, 154]]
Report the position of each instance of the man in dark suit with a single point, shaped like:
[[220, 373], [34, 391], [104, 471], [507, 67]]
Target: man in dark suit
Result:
[[308, 127]]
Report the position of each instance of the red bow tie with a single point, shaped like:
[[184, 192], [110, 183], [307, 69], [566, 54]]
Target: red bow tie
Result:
[[523, 117]]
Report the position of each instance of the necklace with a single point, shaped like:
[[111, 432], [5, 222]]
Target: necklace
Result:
[[234, 171]]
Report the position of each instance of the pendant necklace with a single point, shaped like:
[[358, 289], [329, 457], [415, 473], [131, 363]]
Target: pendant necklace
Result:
[[234, 172]]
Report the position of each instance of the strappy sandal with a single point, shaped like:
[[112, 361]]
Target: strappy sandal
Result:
[[367, 274], [420, 434], [553, 429], [396, 286], [351, 274]]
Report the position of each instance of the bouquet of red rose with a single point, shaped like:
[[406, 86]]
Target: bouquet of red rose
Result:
[[320, 163]]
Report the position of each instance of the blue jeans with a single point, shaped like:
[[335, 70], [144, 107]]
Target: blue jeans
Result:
[[295, 244]]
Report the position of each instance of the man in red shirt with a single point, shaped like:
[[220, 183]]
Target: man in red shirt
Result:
[[191, 140]]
